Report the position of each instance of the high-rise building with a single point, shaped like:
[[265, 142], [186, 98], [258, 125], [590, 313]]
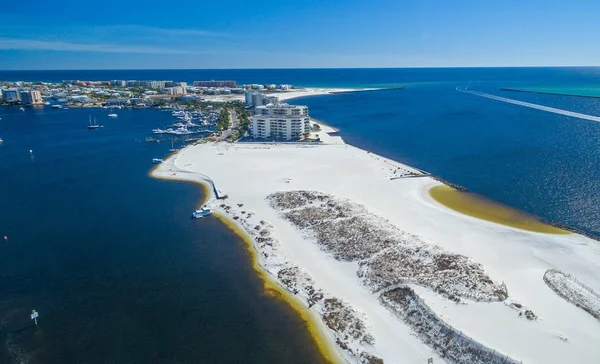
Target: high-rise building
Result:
[[175, 90], [231, 84], [30, 97], [11, 95], [253, 98], [280, 121], [175, 84]]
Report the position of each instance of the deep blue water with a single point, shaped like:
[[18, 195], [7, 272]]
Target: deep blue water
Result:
[[111, 259], [331, 77], [120, 273], [539, 162]]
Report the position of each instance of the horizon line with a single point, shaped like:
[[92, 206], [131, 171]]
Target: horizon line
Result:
[[286, 68]]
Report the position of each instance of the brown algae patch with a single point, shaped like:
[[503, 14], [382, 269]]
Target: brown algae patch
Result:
[[323, 342], [482, 208]]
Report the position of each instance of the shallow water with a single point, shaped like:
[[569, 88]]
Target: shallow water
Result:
[[481, 208], [539, 162]]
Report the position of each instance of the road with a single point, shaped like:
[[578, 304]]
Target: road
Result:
[[234, 123]]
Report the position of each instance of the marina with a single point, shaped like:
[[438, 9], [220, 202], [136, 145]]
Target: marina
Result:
[[347, 179]]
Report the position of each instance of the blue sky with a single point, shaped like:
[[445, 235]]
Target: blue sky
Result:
[[67, 34]]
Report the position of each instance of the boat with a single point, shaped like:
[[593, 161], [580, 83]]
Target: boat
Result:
[[57, 106], [22, 108], [204, 211], [93, 125], [159, 131], [173, 149], [151, 140], [1, 140], [157, 160], [112, 115]]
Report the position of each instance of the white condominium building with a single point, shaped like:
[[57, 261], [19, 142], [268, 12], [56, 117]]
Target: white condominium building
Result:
[[11, 95], [259, 99], [31, 97], [280, 121]]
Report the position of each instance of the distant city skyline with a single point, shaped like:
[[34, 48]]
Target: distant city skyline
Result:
[[304, 34]]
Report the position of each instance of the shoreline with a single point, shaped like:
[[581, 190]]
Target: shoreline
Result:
[[272, 287], [291, 248], [485, 209]]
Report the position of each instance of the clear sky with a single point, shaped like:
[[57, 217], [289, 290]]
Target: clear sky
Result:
[[68, 34]]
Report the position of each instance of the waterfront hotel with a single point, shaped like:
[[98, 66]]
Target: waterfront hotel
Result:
[[280, 121]]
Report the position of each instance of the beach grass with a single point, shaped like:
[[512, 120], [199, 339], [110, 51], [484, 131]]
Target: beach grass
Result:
[[482, 208], [324, 344], [316, 330]]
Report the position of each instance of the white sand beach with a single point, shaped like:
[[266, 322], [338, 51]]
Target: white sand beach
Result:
[[286, 95], [361, 188]]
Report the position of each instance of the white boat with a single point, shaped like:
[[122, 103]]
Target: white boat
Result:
[[93, 125], [1, 140], [157, 160], [22, 108], [56, 106], [204, 211], [112, 115], [159, 131]]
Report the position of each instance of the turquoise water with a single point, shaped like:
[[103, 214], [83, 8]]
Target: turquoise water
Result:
[[120, 273], [589, 91]]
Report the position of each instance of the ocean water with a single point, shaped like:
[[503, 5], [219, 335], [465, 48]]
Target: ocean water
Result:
[[120, 273], [539, 162], [111, 259], [348, 77]]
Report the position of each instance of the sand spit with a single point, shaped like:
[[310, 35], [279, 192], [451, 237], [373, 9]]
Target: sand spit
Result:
[[288, 95], [382, 232]]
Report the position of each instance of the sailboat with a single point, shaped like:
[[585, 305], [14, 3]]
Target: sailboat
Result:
[[93, 125], [173, 149], [112, 115]]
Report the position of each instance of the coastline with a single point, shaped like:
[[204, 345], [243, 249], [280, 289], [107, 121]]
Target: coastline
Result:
[[452, 224], [315, 326], [273, 288], [288, 95]]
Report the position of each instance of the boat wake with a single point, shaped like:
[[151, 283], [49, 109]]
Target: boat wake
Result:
[[532, 106]]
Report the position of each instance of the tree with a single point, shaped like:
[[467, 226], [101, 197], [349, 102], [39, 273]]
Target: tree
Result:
[[223, 123]]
